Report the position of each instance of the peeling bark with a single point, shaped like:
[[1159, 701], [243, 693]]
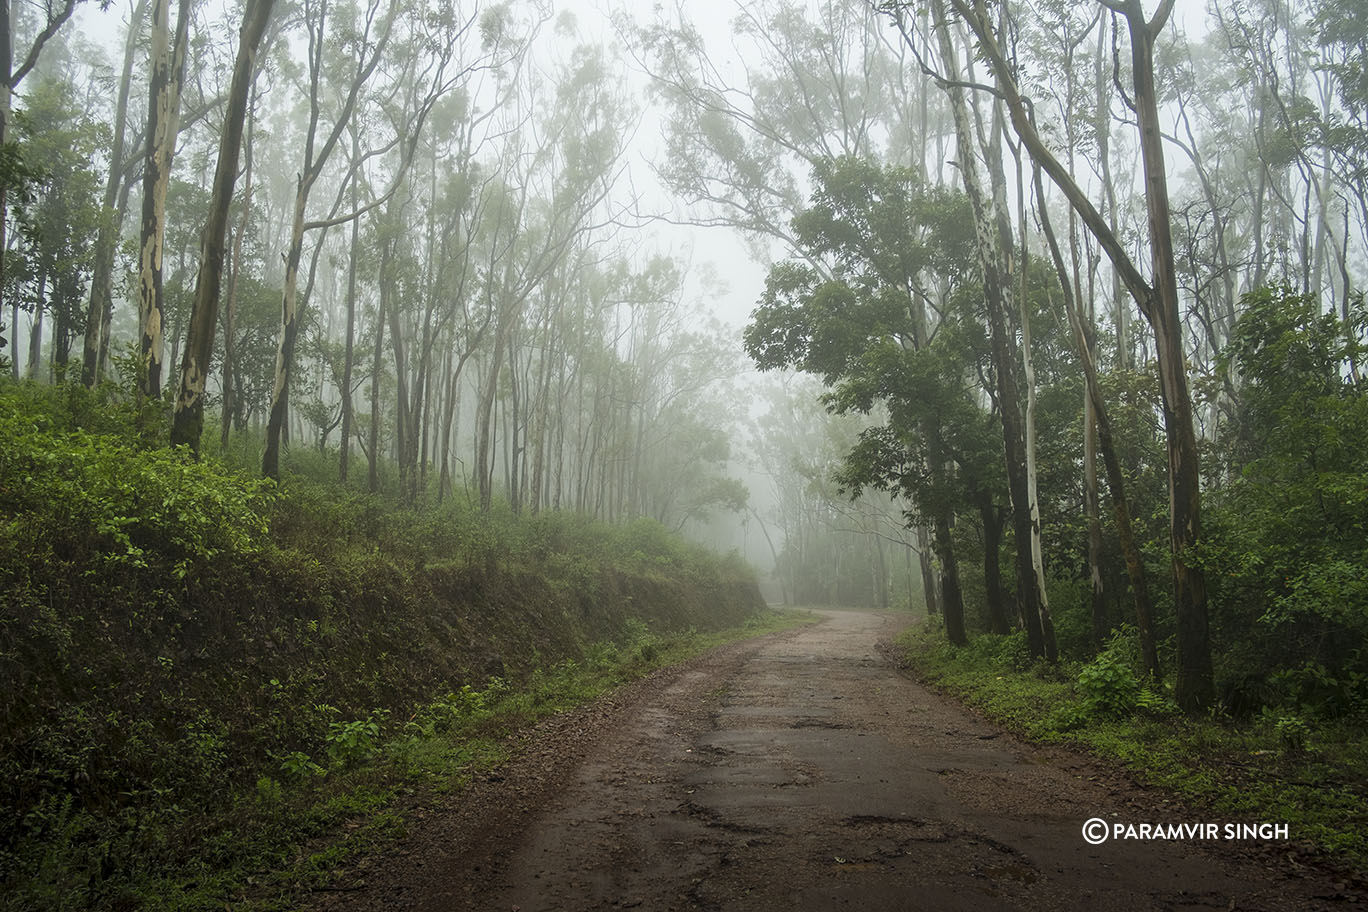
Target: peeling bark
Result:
[[163, 114], [187, 424]]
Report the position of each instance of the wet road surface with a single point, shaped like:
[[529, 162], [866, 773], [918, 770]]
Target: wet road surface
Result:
[[804, 772]]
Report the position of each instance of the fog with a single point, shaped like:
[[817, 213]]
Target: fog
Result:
[[509, 253]]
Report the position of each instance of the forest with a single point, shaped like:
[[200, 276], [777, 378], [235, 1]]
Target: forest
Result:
[[1042, 318]]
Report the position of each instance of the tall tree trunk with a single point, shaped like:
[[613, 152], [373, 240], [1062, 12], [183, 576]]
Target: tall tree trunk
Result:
[[232, 399], [928, 572], [1159, 305], [992, 520], [415, 436], [101, 306], [419, 434], [163, 113], [1037, 548], [452, 406], [403, 402], [951, 594], [187, 424], [484, 455], [373, 456], [1193, 685], [997, 295], [1084, 345], [289, 333], [1102, 130], [6, 110], [539, 441], [348, 354], [315, 159], [35, 352], [1101, 625]]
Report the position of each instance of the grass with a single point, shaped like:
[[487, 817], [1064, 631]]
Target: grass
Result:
[[1310, 776], [299, 828]]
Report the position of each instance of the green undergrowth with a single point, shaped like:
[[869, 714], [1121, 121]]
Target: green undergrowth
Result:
[[178, 634], [306, 821], [1277, 768]]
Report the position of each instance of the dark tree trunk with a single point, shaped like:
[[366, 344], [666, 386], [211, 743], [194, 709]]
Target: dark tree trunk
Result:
[[952, 596], [992, 519], [1159, 305], [188, 422], [1193, 687]]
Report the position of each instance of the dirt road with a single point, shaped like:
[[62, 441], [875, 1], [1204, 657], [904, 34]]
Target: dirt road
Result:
[[803, 772]]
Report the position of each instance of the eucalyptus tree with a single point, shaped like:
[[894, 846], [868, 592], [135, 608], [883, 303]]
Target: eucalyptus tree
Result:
[[1060, 34], [559, 193], [424, 73], [166, 72], [978, 151], [1305, 120], [1341, 33], [740, 146], [1158, 301], [188, 420], [452, 196], [1098, 424], [95, 351], [365, 33], [676, 418], [446, 323], [230, 401], [645, 398], [471, 316], [1263, 44]]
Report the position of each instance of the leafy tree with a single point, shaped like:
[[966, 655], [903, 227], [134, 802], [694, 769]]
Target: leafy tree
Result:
[[57, 228], [862, 323], [55, 16], [1287, 544]]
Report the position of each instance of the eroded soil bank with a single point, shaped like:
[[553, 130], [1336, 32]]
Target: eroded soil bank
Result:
[[802, 771]]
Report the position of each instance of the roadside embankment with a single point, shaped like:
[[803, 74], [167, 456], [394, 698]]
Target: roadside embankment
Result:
[[182, 642]]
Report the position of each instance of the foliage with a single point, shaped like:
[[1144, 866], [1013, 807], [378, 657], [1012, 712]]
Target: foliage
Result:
[[1108, 686], [180, 635], [1285, 549], [133, 508], [59, 212]]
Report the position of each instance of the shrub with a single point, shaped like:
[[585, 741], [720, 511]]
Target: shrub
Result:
[[1108, 687]]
